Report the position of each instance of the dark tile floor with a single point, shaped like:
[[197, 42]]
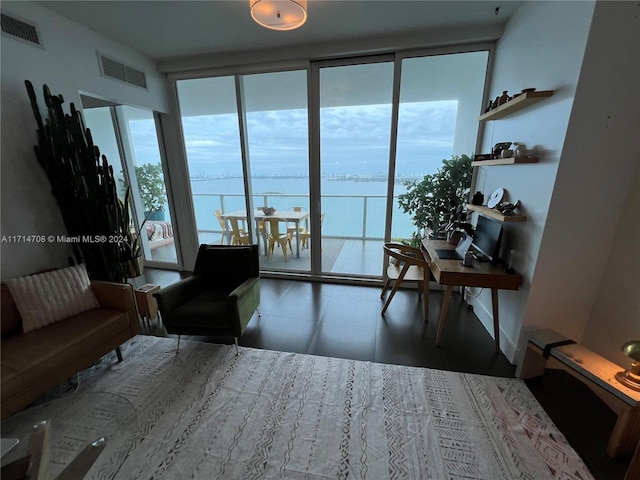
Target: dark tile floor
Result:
[[344, 321]]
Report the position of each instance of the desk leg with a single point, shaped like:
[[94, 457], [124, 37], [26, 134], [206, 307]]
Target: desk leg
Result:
[[425, 294], [443, 312], [496, 320], [298, 238]]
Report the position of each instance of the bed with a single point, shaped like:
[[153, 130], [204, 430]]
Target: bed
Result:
[[207, 413]]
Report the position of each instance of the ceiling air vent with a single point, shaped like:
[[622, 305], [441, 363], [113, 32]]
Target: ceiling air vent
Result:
[[118, 70], [20, 29]]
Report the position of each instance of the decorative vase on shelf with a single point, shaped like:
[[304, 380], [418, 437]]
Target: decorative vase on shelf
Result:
[[504, 98], [520, 150], [478, 198]]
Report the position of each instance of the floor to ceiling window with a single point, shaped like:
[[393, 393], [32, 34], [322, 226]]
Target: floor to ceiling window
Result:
[[278, 153], [440, 99], [355, 124], [212, 141], [275, 128], [252, 140]]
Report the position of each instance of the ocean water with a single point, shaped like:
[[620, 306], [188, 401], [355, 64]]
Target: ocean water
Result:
[[353, 208]]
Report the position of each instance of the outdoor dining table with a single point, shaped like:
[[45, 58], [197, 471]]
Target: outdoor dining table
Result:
[[282, 215]]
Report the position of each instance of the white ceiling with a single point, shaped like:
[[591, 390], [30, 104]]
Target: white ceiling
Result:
[[163, 30]]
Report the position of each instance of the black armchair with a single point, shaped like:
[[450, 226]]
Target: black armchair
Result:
[[219, 299]]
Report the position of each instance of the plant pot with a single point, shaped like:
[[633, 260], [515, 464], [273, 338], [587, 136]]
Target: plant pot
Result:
[[134, 266], [157, 215]]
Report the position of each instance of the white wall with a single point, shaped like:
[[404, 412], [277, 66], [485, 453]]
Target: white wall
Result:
[[542, 47], [595, 197], [587, 53], [68, 64], [615, 318]]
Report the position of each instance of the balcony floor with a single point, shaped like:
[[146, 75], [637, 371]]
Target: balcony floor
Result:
[[339, 256]]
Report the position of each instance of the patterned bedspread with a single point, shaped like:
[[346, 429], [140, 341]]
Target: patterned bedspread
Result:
[[207, 413]]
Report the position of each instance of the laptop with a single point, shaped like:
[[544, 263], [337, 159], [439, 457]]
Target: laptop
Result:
[[458, 253]]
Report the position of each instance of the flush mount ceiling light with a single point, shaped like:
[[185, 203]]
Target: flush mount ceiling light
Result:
[[279, 14]]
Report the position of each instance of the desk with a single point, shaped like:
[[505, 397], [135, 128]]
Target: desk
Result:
[[285, 216], [452, 274]]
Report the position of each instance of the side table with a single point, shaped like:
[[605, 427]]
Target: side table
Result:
[[147, 304], [547, 348]]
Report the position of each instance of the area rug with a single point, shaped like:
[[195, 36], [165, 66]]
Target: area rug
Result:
[[206, 413]]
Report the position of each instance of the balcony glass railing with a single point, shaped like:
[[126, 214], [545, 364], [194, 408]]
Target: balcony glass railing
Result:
[[346, 216]]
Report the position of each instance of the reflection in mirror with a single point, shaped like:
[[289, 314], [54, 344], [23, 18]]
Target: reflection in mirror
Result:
[[129, 134]]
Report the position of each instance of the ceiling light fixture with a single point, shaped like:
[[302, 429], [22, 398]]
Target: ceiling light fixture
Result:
[[279, 14]]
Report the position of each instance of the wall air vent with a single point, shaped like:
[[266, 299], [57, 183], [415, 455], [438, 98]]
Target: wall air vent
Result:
[[114, 69], [20, 29]]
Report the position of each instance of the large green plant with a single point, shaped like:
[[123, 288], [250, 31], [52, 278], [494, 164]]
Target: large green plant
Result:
[[151, 186], [83, 184], [437, 200]]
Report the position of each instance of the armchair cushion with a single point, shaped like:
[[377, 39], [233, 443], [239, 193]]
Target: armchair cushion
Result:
[[199, 312]]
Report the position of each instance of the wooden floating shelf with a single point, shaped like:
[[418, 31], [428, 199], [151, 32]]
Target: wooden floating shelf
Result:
[[504, 161], [515, 104], [495, 214]]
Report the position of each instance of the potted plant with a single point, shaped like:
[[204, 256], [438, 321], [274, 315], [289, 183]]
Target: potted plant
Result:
[[83, 184], [152, 190], [436, 203]]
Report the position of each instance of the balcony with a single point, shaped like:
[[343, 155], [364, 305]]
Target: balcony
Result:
[[352, 232]]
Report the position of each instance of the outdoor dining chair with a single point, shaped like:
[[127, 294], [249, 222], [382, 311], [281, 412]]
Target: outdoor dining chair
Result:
[[282, 239], [238, 234], [224, 226], [305, 234]]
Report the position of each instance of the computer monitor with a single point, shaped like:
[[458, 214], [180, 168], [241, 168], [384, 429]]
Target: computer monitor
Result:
[[487, 236]]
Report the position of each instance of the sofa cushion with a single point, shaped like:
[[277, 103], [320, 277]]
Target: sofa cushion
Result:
[[46, 298], [30, 358]]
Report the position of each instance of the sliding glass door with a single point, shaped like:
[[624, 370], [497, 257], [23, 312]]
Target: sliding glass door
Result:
[[277, 140], [335, 143], [355, 126], [261, 149]]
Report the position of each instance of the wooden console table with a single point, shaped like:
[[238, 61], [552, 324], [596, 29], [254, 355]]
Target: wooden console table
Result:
[[452, 274], [548, 349]]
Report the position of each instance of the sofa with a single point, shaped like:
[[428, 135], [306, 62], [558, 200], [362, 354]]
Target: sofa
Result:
[[32, 363]]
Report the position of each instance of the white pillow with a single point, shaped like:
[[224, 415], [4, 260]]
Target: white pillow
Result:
[[45, 298]]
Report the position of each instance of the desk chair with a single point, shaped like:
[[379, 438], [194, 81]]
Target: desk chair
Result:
[[406, 265], [219, 299]]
